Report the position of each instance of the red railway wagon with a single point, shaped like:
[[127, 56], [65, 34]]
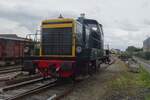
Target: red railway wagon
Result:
[[11, 49]]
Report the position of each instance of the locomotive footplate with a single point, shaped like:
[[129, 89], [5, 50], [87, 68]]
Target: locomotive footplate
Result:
[[61, 67]]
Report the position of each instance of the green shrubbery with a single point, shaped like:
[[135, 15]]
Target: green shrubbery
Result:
[[144, 55], [125, 56]]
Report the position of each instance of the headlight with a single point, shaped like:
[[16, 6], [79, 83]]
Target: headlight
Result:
[[79, 49]]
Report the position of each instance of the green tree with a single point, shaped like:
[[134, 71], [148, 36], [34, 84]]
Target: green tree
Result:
[[132, 49]]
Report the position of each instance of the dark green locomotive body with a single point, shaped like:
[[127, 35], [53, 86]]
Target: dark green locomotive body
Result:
[[91, 40]]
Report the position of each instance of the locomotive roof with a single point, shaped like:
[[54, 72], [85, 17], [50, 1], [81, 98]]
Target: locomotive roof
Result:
[[11, 37], [58, 20], [92, 21]]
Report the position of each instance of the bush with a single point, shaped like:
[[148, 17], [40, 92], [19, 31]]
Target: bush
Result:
[[144, 55], [125, 56]]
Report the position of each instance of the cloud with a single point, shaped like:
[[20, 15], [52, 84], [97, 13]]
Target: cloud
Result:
[[10, 27], [146, 22], [128, 25], [125, 22]]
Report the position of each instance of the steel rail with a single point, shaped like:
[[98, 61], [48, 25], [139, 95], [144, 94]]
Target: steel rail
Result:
[[11, 70], [22, 79], [34, 90], [9, 87]]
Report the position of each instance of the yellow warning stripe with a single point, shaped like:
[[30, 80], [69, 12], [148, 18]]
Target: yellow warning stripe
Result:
[[73, 40], [59, 20], [57, 25]]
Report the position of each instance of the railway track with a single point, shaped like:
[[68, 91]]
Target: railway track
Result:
[[28, 89], [22, 79], [52, 91], [23, 88], [60, 90], [57, 91], [19, 91], [49, 90], [10, 69], [20, 84], [34, 90]]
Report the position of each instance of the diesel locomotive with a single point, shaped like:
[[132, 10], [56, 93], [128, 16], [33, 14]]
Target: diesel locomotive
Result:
[[68, 48]]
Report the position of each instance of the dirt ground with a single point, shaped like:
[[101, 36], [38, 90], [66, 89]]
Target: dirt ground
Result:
[[97, 87]]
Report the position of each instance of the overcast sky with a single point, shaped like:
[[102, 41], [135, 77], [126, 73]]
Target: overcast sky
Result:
[[125, 22]]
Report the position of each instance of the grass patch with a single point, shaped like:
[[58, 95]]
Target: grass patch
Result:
[[143, 78], [147, 97], [123, 82], [131, 83], [126, 79]]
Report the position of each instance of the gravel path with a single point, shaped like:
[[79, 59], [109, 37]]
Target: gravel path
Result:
[[96, 87]]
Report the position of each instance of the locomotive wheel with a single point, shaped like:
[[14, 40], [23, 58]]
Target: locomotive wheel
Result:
[[86, 69], [89, 66], [93, 66], [7, 63], [98, 65], [32, 71]]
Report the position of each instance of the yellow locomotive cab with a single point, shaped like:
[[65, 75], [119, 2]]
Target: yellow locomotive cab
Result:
[[57, 38]]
